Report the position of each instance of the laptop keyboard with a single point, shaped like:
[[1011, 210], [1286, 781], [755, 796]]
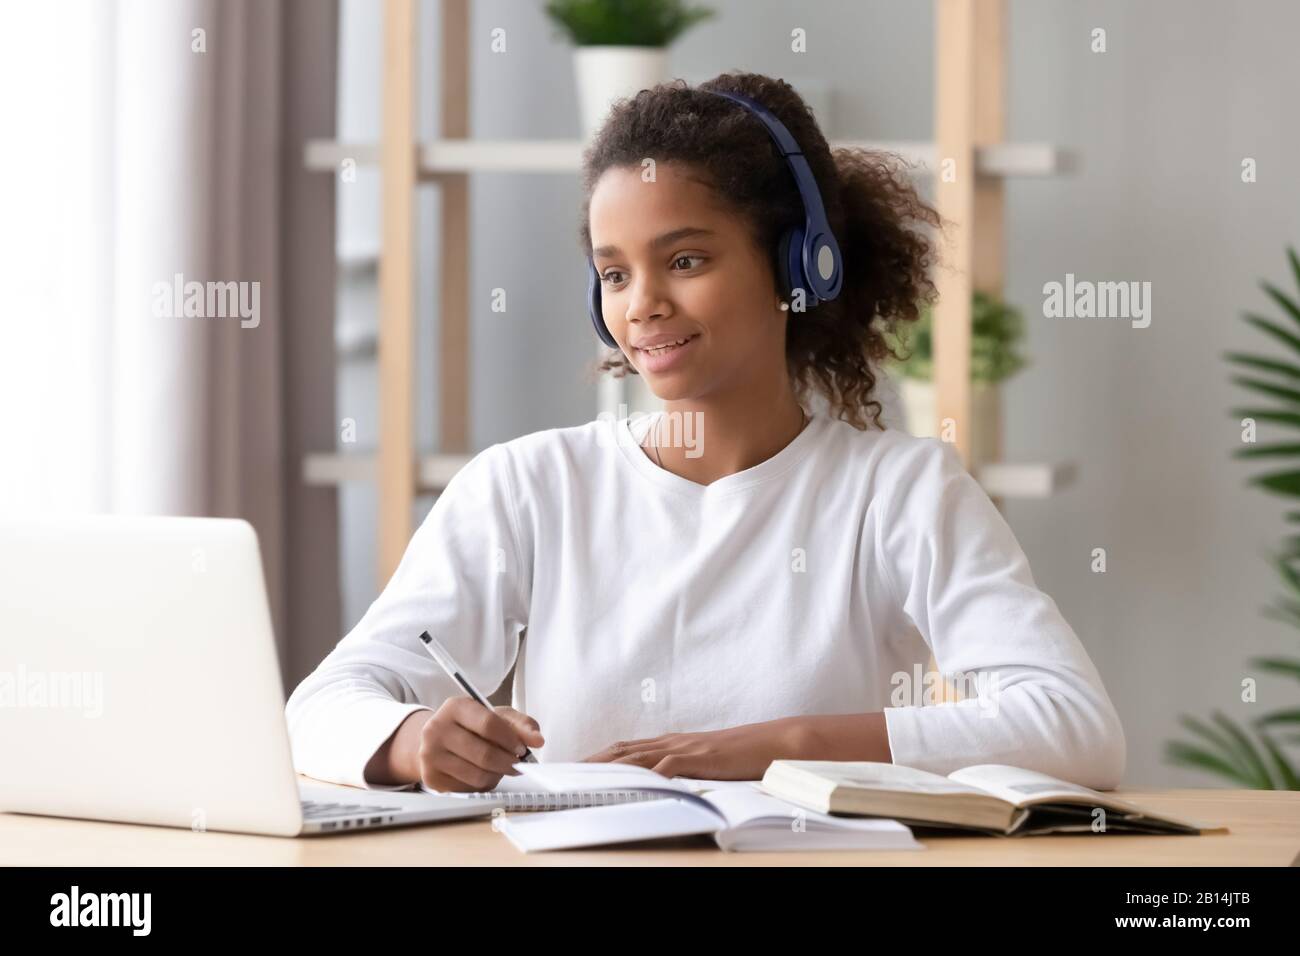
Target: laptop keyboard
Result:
[[317, 810]]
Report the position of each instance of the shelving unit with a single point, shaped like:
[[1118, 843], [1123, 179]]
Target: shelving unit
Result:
[[969, 121]]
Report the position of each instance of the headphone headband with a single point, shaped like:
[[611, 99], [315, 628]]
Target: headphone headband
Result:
[[814, 211]]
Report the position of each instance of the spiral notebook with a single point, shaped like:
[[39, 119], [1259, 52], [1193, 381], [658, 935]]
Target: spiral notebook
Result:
[[516, 793]]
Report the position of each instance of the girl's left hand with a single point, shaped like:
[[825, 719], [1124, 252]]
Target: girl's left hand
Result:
[[736, 753]]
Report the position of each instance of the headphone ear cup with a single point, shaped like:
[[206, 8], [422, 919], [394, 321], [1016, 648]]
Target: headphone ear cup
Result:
[[784, 285], [594, 306], [791, 256]]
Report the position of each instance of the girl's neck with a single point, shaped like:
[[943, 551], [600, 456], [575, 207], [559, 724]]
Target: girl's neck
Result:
[[704, 440]]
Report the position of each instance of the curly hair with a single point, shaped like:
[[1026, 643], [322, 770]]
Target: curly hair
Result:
[[871, 203]]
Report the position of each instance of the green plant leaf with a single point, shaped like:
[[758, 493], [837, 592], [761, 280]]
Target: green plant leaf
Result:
[[1277, 665], [1288, 613], [997, 331], [1279, 717], [1295, 264], [1290, 576], [1283, 300], [1282, 483], [654, 23], [1253, 764], [1286, 774], [1268, 451], [1266, 364], [1268, 388], [1219, 742], [1188, 756], [1197, 726], [1273, 329], [1276, 415]]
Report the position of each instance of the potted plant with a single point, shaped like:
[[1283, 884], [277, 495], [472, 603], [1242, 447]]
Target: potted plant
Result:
[[1253, 756], [997, 330], [621, 47]]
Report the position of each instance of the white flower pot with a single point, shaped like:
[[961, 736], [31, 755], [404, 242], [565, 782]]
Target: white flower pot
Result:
[[919, 410], [607, 73]]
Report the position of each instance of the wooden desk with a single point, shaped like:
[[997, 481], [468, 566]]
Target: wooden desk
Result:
[[1265, 831]]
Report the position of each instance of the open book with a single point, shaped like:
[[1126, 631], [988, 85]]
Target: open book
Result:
[[738, 817], [992, 798]]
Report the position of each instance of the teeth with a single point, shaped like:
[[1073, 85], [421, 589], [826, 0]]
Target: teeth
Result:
[[667, 345]]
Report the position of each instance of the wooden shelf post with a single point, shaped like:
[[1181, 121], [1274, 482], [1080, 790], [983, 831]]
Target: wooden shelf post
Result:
[[396, 486], [968, 115]]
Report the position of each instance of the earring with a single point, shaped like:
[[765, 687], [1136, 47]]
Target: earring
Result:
[[785, 306]]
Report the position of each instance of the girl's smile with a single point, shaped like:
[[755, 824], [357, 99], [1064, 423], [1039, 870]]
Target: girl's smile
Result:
[[663, 353]]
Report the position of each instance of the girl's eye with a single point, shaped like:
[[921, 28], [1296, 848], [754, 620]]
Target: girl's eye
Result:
[[606, 276]]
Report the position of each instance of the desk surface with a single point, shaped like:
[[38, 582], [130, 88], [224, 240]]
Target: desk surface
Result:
[[1264, 825]]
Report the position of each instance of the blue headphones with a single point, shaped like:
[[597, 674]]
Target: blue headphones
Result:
[[808, 257]]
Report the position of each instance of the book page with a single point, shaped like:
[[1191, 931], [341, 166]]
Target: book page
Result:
[[875, 775], [740, 808], [1025, 787]]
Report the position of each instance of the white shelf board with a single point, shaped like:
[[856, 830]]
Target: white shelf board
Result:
[[445, 156], [433, 472], [1025, 480]]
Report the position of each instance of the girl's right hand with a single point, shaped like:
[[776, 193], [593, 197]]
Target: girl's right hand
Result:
[[465, 747]]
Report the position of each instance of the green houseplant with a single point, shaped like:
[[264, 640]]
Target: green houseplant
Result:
[[997, 333], [1253, 756], [655, 23], [620, 46]]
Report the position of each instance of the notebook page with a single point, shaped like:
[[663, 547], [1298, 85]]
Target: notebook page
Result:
[[700, 785], [508, 784], [598, 826], [577, 777], [519, 793]]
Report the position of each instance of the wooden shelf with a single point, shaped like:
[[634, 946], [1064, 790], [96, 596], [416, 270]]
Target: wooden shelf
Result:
[[460, 156], [969, 126], [432, 472]]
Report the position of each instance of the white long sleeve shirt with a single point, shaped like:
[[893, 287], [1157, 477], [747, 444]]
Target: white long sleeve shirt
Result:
[[816, 582]]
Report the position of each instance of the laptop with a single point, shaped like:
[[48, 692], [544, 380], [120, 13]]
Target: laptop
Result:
[[140, 683]]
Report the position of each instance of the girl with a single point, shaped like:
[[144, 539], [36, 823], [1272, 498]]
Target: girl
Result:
[[745, 576]]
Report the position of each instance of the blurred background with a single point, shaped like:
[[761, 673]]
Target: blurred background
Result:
[[150, 143]]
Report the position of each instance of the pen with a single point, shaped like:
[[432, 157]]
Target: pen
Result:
[[448, 663]]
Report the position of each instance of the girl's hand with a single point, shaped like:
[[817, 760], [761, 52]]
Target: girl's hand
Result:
[[465, 746], [736, 753], [461, 747]]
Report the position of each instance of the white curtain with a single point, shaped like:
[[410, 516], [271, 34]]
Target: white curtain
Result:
[[144, 139]]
